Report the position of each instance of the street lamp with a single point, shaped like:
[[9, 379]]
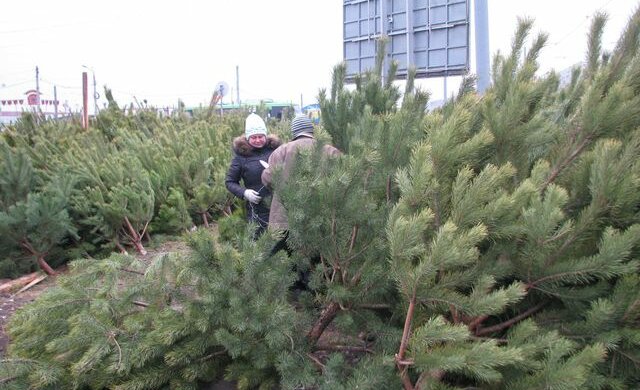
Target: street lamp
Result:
[[96, 95]]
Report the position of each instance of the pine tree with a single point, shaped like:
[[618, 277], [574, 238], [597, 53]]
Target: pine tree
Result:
[[490, 244], [174, 214], [116, 198], [32, 222]]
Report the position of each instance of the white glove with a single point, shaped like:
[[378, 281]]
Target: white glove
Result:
[[252, 196]]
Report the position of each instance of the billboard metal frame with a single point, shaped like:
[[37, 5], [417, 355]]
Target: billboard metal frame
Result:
[[430, 35]]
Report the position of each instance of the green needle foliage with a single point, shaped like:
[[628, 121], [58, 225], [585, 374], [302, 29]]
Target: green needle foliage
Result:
[[490, 244]]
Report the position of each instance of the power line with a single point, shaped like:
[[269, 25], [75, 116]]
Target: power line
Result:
[[58, 85], [15, 84], [581, 24]]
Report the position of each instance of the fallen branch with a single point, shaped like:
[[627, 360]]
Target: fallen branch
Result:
[[342, 348], [316, 361], [131, 271], [18, 283], [31, 284]]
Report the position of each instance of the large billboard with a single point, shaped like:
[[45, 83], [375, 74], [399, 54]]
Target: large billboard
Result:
[[430, 35]]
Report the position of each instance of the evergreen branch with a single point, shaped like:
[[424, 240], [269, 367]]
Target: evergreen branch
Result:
[[476, 322], [144, 229], [354, 235], [326, 316], [565, 163], [374, 306], [455, 316], [406, 333], [335, 243], [630, 310], [325, 270], [342, 348], [27, 245], [436, 210], [8, 379], [613, 365], [511, 322], [407, 327], [112, 336], [635, 361], [555, 255], [559, 276], [446, 302], [364, 248], [433, 374], [317, 361], [406, 381], [121, 248], [499, 341], [134, 233], [205, 219], [131, 271], [212, 355]]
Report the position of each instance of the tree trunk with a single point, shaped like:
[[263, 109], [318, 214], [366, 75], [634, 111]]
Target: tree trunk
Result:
[[327, 315], [18, 283], [45, 266], [137, 240], [406, 333], [204, 218]]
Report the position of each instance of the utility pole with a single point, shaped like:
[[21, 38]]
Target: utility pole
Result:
[[238, 85], [95, 91], [85, 102], [38, 89], [55, 102], [95, 95]]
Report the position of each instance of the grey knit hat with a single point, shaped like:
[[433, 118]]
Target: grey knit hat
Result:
[[301, 124]]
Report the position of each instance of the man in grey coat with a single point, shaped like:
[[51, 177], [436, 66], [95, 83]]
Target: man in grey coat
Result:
[[284, 156]]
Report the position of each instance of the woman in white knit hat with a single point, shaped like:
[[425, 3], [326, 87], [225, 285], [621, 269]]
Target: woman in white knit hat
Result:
[[249, 149]]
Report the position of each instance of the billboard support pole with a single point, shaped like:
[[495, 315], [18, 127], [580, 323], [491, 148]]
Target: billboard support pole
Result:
[[445, 89], [481, 16]]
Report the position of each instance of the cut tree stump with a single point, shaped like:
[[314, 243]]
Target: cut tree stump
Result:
[[19, 282]]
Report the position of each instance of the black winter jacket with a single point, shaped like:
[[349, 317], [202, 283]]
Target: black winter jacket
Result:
[[246, 166]]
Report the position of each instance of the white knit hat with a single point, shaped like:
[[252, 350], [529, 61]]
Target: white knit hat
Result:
[[254, 125]]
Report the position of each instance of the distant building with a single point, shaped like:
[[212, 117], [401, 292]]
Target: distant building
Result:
[[11, 109], [312, 111], [274, 109]]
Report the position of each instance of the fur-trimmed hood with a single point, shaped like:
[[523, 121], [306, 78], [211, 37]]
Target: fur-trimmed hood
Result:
[[242, 148]]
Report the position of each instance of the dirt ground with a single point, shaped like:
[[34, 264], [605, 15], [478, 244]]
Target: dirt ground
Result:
[[10, 302]]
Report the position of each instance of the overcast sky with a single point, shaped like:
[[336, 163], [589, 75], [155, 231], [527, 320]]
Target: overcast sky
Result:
[[161, 51]]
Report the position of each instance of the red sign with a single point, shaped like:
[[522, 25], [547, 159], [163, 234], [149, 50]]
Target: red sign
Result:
[[32, 99]]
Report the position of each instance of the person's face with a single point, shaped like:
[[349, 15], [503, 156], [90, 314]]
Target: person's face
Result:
[[257, 140]]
